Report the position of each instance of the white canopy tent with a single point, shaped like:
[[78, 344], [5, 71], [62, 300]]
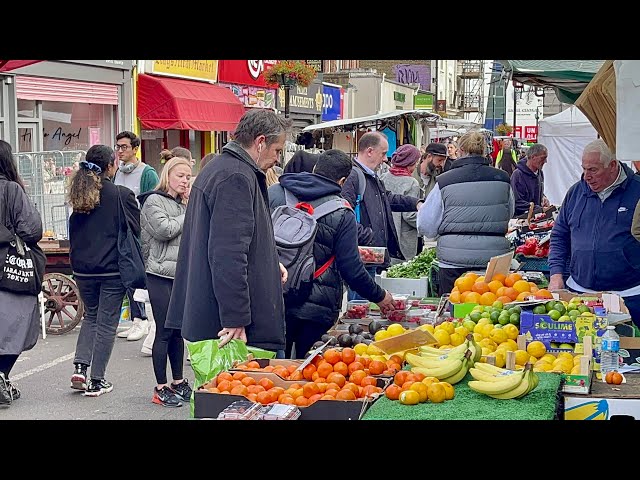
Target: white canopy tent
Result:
[[565, 135]]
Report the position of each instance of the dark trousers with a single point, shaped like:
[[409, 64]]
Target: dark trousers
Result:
[[102, 298], [137, 308], [633, 304], [168, 341], [351, 294], [448, 277], [6, 364], [303, 334]]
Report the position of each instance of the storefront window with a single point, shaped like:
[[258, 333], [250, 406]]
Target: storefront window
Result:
[[77, 126], [27, 108]]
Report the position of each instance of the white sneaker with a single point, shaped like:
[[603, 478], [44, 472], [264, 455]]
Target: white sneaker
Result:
[[146, 351], [139, 329], [124, 333]]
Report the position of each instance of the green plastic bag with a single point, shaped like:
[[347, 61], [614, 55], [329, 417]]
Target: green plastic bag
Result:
[[208, 360]]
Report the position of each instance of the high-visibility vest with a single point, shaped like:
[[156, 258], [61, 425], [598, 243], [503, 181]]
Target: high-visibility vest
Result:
[[499, 157]]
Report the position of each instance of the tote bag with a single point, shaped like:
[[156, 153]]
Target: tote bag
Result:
[[130, 260]]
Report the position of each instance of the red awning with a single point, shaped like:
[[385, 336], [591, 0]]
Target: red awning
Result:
[[6, 65], [174, 104]]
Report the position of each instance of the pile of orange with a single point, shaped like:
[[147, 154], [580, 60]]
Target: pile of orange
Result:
[[413, 388], [472, 288]]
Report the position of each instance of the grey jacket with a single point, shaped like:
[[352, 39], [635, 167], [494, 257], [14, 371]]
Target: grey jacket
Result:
[[405, 222], [161, 220]]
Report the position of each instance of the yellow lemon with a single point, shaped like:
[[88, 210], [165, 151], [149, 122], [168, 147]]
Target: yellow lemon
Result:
[[487, 328], [409, 397], [381, 335], [456, 339], [477, 337], [482, 321], [373, 350], [360, 348], [422, 390], [522, 357], [436, 393], [536, 348], [509, 345], [449, 390], [427, 327], [565, 355], [486, 351], [442, 337], [511, 330], [548, 357], [447, 327], [501, 358], [498, 335], [395, 329], [462, 331]]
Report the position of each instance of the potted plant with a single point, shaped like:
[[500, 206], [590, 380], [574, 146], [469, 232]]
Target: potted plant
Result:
[[290, 72], [504, 129]]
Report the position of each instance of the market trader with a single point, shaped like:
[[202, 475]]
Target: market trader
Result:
[[592, 234], [527, 181]]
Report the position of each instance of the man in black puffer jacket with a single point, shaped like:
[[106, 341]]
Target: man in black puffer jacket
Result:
[[337, 235]]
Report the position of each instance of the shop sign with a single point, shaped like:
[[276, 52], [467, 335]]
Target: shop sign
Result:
[[202, 70], [302, 99], [332, 102], [441, 106], [398, 97], [118, 64], [244, 72], [315, 64], [423, 101], [531, 132], [254, 97]]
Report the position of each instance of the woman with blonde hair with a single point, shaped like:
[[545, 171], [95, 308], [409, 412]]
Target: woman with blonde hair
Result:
[[468, 211], [162, 220], [93, 235]]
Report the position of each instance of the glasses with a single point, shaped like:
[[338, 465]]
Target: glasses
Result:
[[117, 147]]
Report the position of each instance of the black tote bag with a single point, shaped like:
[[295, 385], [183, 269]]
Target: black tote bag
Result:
[[130, 260]]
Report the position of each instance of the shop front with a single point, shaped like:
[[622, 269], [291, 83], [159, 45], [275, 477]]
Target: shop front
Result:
[[305, 104], [64, 105], [178, 104]]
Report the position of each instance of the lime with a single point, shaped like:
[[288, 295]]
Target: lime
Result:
[[504, 319], [554, 314], [485, 315], [572, 306], [514, 319], [564, 318], [573, 313], [475, 316], [517, 309], [559, 306], [494, 317], [497, 304], [539, 310], [512, 310], [583, 309], [550, 304]]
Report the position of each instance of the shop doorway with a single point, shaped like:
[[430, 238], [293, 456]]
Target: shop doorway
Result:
[[29, 136]]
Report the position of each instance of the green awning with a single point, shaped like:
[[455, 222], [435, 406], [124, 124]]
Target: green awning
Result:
[[567, 77]]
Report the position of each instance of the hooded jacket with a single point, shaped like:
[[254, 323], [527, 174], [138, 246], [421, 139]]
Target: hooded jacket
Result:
[[228, 272], [337, 235], [527, 187], [161, 220]]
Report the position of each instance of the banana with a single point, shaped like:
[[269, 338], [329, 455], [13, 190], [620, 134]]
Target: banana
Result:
[[533, 383], [521, 389], [460, 374], [487, 367], [478, 349], [436, 351], [496, 388], [431, 362], [445, 370], [492, 377]]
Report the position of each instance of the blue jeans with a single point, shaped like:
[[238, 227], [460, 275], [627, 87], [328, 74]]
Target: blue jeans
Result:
[[102, 298], [351, 294], [633, 304], [280, 354]]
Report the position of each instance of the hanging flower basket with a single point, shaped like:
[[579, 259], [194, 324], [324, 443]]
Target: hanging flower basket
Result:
[[504, 129], [290, 72]]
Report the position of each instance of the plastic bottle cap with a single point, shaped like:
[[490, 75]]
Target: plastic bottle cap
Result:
[[610, 327]]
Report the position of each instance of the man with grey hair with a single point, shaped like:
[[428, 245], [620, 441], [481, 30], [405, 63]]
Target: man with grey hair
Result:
[[591, 240], [527, 181], [228, 279]]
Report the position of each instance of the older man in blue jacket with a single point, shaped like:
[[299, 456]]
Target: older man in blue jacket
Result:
[[591, 239]]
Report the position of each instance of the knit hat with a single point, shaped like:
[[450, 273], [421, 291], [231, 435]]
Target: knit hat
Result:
[[405, 156]]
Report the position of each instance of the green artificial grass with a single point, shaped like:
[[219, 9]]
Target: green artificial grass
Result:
[[541, 404]]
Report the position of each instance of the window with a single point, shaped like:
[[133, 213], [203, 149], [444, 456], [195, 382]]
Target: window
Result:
[[77, 126]]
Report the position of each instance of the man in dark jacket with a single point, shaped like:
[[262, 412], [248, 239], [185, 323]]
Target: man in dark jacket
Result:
[[592, 233], [378, 202], [309, 318], [527, 181], [228, 277]]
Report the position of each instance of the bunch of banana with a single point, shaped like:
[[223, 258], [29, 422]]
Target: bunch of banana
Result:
[[450, 368], [469, 343], [501, 383]]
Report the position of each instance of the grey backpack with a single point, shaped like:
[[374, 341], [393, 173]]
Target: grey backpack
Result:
[[295, 227]]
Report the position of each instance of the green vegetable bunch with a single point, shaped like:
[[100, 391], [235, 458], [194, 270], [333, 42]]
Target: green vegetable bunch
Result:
[[418, 267]]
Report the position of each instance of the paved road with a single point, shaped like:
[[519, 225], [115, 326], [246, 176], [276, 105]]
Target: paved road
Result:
[[43, 375]]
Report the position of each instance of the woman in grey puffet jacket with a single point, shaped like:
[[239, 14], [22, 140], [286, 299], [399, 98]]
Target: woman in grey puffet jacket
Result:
[[162, 220]]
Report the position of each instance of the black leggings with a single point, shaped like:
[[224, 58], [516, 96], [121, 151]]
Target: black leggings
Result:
[[6, 364], [168, 341]]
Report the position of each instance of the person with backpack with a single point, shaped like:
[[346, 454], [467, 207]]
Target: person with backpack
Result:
[[373, 204], [321, 253]]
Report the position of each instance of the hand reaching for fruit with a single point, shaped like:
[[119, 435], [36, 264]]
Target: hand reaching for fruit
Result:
[[387, 304], [556, 282]]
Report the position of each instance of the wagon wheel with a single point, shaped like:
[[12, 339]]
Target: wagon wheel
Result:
[[63, 307]]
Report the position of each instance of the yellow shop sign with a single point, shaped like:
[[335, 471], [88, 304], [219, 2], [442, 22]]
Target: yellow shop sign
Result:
[[205, 70]]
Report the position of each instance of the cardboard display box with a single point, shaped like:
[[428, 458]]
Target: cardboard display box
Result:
[[606, 401]]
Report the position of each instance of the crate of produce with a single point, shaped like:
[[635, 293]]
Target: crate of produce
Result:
[[539, 264], [409, 286]]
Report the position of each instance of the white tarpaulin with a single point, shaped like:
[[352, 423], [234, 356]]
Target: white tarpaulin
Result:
[[627, 103], [565, 135]]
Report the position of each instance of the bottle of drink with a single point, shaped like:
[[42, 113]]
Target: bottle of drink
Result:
[[609, 350], [125, 310]]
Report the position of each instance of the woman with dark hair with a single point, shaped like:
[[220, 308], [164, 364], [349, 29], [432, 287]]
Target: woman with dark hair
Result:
[[301, 161], [93, 233], [19, 315]]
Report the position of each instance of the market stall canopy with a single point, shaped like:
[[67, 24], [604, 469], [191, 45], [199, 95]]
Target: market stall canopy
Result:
[[174, 104], [567, 77], [372, 120], [8, 65]]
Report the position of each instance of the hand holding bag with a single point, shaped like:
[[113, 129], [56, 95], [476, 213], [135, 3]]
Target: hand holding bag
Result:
[[130, 260]]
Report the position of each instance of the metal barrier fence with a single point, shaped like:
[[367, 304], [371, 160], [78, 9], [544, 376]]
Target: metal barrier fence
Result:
[[46, 176]]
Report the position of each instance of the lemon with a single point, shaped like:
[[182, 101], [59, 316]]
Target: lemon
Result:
[[576, 359], [575, 370], [536, 348], [380, 358], [477, 337], [482, 321], [522, 357], [373, 350], [394, 329], [436, 393], [449, 390], [565, 355], [498, 335], [462, 331], [381, 335], [486, 330], [509, 345], [360, 348], [511, 330], [442, 337], [456, 339], [447, 327], [543, 367], [548, 357], [409, 397], [427, 327], [422, 390], [501, 358], [486, 351]]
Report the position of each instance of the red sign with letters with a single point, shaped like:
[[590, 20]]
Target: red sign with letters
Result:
[[244, 72], [531, 132]]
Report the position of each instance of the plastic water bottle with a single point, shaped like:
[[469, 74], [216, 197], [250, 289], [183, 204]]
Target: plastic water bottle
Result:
[[609, 350]]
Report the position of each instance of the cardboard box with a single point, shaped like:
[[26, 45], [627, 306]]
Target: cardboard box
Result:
[[540, 327], [408, 286], [612, 302], [461, 310], [275, 378], [580, 408]]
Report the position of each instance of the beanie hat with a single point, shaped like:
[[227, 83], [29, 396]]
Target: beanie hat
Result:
[[405, 156]]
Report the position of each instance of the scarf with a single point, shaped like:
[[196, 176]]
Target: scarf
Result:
[[399, 171]]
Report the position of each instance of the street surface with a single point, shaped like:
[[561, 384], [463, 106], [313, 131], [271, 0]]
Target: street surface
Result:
[[43, 376]]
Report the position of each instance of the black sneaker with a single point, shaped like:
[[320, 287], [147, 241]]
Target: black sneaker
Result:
[[166, 397], [95, 388], [5, 392], [15, 393], [182, 390], [79, 377]]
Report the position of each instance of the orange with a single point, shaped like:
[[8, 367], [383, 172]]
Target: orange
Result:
[[324, 369], [368, 380], [224, 385], [348, 355], [308, 371], [480, 287], [264, 398], [322, 386], [466, 283], [342, 368], [409, 397], [494, 285], [488, 298], [455, 289], [353, 387], [314, 398], [521, 286], [357, 376], [401, 377], [504, 299], [522, 296], [370, 390], [286, 400], [436, 393], [266, 383], [455, 297], [345, 394], [253, 364], [281, 371], [295, 376], [471, 275], [315, 376], [422, 389], [511, 292], [473, 297], [355, 366], [247, 381], [310, 389], [235, 383], [500, 277], [542, 293], [396, 359], [332, 392], [239, 375], [277, 391], [255, 389], [337, 378], [511, 279], [500, 291], [302, 401], [393, 391], [224, 376], [239, 390], [333, 356], [376, 367]]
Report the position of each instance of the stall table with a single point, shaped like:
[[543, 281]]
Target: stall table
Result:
[[605, 401]]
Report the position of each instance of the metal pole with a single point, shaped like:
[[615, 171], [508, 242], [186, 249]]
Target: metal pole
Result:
[[514, 110], [435, 95], [287, 88]]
